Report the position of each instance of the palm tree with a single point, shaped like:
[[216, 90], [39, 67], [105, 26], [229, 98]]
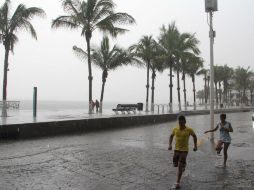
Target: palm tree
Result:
[[157, 64], [193, 67], [227, 74], [217, 81], [200, 95], [187, 58], [242, 80], [205, 73], [9, 26], [88, 16], [145, 50], [107, 59], [251, 88], [167, 40], [186, 43]]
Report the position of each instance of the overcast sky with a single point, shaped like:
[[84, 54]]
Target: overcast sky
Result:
[[50, 64]]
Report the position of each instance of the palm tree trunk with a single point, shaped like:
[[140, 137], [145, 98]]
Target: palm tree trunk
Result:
[[184, 91], [152, 99], [220, 93], [205, 92], [102, 89], [90, 77], [194, 92], [225, 98], [239, 98], [178, 89], [244, 99], [171, 87], [147, 85], [208, 89], [216, 92], [251, 98], [6, 60]]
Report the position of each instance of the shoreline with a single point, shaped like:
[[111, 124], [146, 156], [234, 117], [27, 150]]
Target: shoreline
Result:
[[82, 125]]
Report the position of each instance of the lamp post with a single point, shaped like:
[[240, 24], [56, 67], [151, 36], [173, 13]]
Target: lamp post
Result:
[[210, 7]]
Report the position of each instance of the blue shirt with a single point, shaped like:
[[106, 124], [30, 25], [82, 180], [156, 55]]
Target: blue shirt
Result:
[[224, 135]]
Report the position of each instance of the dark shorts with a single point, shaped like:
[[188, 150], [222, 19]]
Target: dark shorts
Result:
[[180, 158]]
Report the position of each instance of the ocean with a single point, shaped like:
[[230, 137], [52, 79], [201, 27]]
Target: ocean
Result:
[[63, 110]]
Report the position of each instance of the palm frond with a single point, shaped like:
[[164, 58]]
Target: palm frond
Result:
[[71, 6], [65, 21], [80, 53]]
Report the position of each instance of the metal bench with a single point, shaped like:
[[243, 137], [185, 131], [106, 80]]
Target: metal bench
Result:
[[128, 108]]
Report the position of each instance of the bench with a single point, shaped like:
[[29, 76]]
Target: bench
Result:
[[128, 108]]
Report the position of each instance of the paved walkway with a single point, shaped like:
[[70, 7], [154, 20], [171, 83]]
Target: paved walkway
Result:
[[127, 159]]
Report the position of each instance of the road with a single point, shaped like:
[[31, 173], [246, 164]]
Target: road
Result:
[[128, 159]]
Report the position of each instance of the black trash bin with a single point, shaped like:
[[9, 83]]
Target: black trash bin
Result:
[[139, 106]]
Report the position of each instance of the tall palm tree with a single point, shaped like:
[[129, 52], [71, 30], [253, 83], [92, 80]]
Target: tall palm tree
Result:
[[145, 50], [195, 64], [242, 80], [187, 58], [90, 15], [201, 96], [205, 73], [167, 40], [251, 88], [107, 59], [226, 77], [186, 43], [10, 25], [218, 72], [157, 64]]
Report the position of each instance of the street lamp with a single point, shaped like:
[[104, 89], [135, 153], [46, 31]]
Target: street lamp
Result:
[[210, 7]]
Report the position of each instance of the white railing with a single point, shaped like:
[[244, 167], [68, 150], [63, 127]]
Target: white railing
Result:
[[10, 104], [161, 108]]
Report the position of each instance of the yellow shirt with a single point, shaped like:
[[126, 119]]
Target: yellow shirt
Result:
[[182, 138]]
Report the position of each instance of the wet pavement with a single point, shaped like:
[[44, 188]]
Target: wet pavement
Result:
[[128, 159]]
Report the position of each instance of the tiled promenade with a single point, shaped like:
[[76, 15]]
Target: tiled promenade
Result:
[[127, 159]]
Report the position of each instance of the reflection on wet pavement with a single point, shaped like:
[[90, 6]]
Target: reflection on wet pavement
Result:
[[129, 159]]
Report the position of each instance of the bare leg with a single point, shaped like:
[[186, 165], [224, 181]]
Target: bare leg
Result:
[[225, 150], [179, 173], [181, 167], [219, 147]]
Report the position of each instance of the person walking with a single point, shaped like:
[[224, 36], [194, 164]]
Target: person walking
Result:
[[225, 139], [97, 105], [182, 134]]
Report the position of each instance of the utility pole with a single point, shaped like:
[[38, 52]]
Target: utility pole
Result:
[[210, 7]]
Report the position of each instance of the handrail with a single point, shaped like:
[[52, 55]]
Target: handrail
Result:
[[10, 104]]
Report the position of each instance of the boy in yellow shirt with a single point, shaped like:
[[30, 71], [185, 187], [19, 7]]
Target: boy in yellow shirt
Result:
[[182, 134]]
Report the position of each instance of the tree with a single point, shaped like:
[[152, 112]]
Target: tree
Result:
[[167, 40], [251, 88], [200, 95], [227, 75], [206, 86], [106, 59], [218, 72], [242, 81], [145, 50], [88, 16], [10, 25], [193, 67], [157, 64], [186, 43]]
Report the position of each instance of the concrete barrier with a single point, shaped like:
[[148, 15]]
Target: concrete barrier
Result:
[[80, 126], [54, 128]]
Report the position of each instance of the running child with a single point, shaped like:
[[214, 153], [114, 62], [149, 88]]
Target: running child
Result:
[[225, 139], [182, 134]]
